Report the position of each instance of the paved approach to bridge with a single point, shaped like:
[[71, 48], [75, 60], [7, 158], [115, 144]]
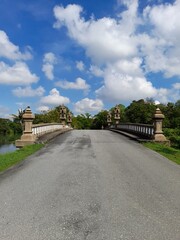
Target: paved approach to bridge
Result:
[[94, 185]]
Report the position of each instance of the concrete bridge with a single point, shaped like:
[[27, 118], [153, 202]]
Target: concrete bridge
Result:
[[93, 185], [32, 132]]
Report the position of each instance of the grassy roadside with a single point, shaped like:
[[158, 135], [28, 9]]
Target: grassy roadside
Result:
[[9, 159], [171, 153]]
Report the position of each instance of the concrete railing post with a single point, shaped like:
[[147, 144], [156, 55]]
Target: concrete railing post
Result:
[[63, 111], [109, 120], [69, 119], [116, 115], [28, 137], [158, 133]]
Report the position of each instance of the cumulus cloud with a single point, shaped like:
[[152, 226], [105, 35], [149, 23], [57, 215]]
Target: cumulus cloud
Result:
[[128, 47], [88, 105], [119, 84], [80, 65], [28, 92], [54, 98], [10, 51], [164, 38], [103, 39], [18, 74], [79, 84], [43, 109], [96, 71], [49, 61]]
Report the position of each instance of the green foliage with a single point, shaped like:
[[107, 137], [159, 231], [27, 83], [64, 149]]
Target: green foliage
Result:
[[9, 159], [168, 152], [83, 121], [100, 120], [51, 116], [140, 112], [172, 114], [4, 126], [174, 136]]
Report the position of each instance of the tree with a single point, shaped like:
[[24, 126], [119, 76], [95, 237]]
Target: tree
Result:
[[140, 112], [100, 120], [82, 121]]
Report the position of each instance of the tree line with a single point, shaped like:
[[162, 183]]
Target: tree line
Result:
[[140, 111]]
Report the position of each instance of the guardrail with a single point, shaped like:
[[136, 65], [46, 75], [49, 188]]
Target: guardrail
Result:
[[137, 129], [40, 129]]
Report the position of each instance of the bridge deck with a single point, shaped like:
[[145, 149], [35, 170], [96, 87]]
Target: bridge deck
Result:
[[94, 185]]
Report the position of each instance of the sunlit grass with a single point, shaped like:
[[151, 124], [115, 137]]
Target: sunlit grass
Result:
[[171, 153], [9, 159]]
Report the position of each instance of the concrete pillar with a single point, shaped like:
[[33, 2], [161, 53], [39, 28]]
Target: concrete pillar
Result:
[[28, 137], [109, 120], [63, 111], [69, 119], [158, 133], [116, 115]]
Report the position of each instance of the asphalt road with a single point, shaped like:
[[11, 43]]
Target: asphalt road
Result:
[[91, 185]]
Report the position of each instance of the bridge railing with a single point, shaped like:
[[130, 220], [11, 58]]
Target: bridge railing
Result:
[[137, 129], [40, 129]]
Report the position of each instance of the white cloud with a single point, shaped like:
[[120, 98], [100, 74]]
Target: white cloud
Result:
[[96, 71], [49, 61], [54, 98], [18, 74], [43, 109], [80, 65], [176, 86], [104, 39], [165, 37], [128, 47], [119, 85], [88, 105], [10, 51], [79, 84], [28, 91]]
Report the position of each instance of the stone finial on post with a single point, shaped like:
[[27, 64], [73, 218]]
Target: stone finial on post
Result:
[[109, 119], [28, 137], [63, 111], [69, 119], [116, 115], [158, 133]]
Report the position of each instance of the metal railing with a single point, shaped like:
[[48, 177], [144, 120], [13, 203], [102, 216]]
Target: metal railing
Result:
[[136, 128]]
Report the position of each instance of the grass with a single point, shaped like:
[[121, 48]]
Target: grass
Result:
[[9, 159], [171, 153]]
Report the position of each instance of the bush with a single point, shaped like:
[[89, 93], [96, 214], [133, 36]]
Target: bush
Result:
[[174, 136]]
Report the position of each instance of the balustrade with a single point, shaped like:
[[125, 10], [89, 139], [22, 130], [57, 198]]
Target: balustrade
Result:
[[139, 129], [39, 129]]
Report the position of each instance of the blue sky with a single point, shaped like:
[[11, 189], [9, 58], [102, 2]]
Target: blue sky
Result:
[[88, 55]]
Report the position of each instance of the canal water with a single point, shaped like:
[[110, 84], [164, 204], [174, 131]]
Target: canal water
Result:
[[5, 148], [7, 143]]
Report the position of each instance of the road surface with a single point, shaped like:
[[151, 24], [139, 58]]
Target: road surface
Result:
[[91, 185]]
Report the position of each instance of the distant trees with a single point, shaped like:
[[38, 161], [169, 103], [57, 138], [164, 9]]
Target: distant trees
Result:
[[82, 121], [50, 116], [140, 111], [100, 120]]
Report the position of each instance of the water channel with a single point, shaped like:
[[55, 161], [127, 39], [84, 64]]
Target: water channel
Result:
[[7, 143], [5, 148]]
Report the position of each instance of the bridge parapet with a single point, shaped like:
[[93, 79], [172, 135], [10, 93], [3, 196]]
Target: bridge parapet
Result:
[[138, 129], [32, 132], [153, 132], [40, 129]]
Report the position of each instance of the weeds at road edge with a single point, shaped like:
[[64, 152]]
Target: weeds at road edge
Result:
[[171, 153], [9, 159]]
